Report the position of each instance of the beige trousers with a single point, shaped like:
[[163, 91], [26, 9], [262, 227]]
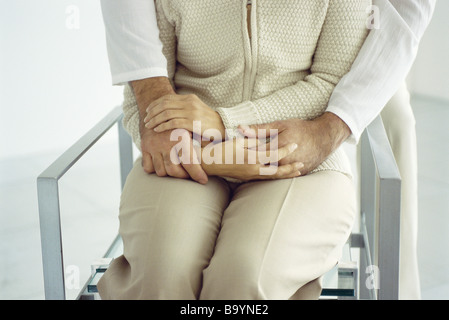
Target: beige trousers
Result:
[[399, 123], [257, 240]]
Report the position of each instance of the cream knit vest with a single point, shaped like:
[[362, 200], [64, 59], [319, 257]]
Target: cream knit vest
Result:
[[298, 51]]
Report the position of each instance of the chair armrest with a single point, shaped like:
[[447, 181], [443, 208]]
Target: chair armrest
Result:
[[48, 198], [380, 206]]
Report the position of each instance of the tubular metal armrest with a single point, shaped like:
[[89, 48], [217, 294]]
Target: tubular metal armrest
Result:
[[48, 198], [380, 215]]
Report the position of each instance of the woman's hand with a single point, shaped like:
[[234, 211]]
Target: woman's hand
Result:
[[242, 159], [180, 111]]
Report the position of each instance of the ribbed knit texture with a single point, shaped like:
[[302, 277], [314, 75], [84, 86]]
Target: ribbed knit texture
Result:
[[297, 53]]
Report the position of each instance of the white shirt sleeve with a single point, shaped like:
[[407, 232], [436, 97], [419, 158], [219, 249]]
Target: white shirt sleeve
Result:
[[132, 38], [382, 64]]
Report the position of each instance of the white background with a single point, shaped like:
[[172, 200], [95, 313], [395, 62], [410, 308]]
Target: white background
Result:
[[54, 79], [430, 74]]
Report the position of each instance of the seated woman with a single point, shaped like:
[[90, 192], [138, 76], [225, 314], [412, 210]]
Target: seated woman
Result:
[[236, 237]]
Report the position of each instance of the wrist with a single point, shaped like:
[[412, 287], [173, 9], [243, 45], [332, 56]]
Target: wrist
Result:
[[148, 90], [334, 130]]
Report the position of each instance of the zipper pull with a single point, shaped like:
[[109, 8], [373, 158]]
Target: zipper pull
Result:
[[248, 16]]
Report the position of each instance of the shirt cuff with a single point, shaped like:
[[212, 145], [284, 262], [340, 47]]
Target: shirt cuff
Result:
[[123, 78]]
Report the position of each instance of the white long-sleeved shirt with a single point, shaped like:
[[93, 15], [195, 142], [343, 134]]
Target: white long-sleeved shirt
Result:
[[132, 38], [135, 52], [382, 64]]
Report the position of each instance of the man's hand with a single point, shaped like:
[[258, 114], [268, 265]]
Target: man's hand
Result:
[[316, 139], [156, 147]]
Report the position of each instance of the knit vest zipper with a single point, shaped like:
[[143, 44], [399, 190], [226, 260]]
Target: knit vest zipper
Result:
[[250, 50], [248, 17]]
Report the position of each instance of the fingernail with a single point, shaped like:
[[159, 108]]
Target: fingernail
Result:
[[293, 147], [299, 165]]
